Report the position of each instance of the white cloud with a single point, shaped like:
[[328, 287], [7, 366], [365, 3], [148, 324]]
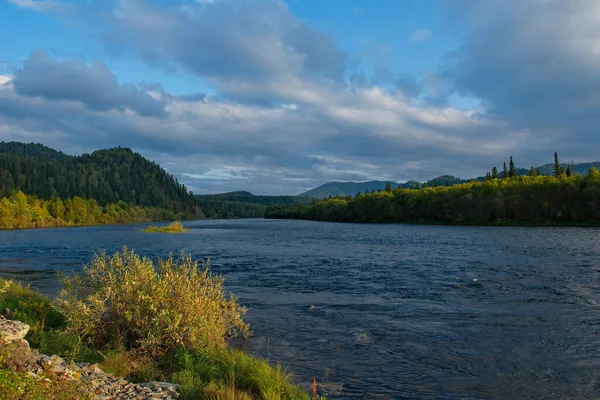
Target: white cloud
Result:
[[421, 35]]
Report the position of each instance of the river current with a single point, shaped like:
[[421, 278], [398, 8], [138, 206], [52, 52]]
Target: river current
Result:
[[383, 311]]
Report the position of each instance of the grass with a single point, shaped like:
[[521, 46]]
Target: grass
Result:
[[174, 227], [212, 373], [22, 386]]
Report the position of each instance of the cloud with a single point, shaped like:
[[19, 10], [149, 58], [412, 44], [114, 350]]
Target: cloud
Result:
[[292, 111], [94, 86], [238, 46], [534, 65], [40, 5], [421, 35]]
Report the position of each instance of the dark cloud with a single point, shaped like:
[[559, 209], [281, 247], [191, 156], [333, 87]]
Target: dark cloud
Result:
[[95, 86]]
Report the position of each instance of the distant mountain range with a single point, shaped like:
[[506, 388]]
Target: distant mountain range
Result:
[[334, 189]]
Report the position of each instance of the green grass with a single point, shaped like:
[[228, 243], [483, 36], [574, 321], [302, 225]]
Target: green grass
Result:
[[174, 227]]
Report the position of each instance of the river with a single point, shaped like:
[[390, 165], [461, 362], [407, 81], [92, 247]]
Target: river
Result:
[[383, 311]]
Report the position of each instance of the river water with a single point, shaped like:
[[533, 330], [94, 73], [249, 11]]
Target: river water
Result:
[[383, 311]]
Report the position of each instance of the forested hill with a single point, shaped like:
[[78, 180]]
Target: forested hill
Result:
[[108, 176], [244, 204]]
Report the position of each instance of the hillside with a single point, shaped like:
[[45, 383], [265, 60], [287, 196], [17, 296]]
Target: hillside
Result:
[[243, 204], [108, 176]]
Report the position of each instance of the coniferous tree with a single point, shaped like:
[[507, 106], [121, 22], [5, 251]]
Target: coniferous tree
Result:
[[388, 187], [557, 168], [568, 173], [512, 171], [504, 172], [532, 171], [494, 173]]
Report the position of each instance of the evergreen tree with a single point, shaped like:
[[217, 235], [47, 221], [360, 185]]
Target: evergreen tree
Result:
[[388, 187], [568, 171], [512, 171], [532, 171], [504, 172], [557, 168], [494, 173]]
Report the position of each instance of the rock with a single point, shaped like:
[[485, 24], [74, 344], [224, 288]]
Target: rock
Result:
[[12, 330]]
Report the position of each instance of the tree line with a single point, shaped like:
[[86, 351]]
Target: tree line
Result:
[[18, 211], [537, 199]]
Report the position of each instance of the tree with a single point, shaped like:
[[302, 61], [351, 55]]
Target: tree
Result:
[[388, 187], [568, 171], [504, 172], [532, 171], [557, 168], [512, 171], [494, 173]]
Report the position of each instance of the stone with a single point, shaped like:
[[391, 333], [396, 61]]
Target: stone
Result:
[[12, 330]]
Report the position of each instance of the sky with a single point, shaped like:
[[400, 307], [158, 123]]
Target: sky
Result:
[[278, 97]]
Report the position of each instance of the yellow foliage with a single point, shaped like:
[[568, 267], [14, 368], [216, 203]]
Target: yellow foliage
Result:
[[128, 301]]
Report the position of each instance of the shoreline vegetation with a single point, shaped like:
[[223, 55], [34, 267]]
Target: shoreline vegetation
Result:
[[168, 321], [560, 200], [22, 211], [174, 227]]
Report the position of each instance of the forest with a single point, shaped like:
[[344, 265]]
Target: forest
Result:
[[18, 211], [107, 176], [537, 199], [243, 204]]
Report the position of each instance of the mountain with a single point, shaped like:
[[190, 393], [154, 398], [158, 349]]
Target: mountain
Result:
[[334, 189], [107, 176], [243, 204]]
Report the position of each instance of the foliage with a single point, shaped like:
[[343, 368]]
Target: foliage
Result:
[[128, 302], [108, 176], [174, 227], [213, 372], [19, 210], [521, 199]]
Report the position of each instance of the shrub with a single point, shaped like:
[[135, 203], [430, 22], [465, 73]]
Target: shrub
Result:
[[128, 302], [174, 227]]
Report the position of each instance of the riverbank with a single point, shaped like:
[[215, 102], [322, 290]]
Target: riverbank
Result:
[[518, 201], [208, 371]]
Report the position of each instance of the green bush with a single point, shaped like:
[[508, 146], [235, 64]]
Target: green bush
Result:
[[124, 301]]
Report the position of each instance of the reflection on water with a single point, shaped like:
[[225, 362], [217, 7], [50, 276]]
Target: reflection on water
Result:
[[383, 311]]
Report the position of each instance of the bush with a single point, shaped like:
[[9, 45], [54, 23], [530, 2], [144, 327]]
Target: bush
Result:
[[124, 301], [174, 227]]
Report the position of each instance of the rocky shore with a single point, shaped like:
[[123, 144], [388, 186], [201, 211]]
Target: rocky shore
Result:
[[95, 383]]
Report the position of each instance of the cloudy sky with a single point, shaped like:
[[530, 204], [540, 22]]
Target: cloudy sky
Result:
[[277, 97]]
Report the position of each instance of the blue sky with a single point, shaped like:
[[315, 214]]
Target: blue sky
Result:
[[277, 97]]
